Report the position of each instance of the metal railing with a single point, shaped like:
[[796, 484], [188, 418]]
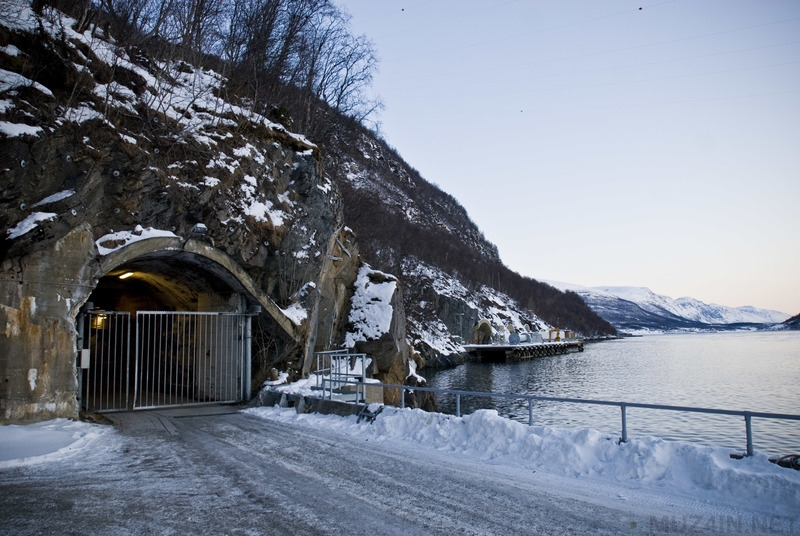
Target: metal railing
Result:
[[357, 396], [623, 406], [333, 372]]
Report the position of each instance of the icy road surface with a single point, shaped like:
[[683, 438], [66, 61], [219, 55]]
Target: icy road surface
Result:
[[219, 471]]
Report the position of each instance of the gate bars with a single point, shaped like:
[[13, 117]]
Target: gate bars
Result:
[[104, 373], [179, 358], [185, 358]]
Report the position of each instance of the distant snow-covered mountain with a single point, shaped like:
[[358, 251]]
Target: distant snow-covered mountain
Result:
[[641, 309]]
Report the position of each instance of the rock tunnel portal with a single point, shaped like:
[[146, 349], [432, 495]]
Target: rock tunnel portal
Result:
[[162, 328]]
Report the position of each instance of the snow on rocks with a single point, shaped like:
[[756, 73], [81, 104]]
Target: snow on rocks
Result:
[[15, 130], [186, 94], [260, 210], [371, 310], [58, 196], [9, 80], [113, 241], [486, 302], [296, 313], [29, 224]]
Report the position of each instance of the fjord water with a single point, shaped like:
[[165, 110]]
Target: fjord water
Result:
[[743, 371]]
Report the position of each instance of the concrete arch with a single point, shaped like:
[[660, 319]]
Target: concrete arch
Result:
[[44, 293], [202, 255]]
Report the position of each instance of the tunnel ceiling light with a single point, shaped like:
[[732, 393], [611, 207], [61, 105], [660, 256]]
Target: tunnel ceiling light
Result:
[[126, 275]]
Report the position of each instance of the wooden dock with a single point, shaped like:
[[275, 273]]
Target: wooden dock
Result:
[[518, 352]]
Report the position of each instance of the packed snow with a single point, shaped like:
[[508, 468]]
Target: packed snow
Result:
[[49, 441], [573, 460], [678, 468]]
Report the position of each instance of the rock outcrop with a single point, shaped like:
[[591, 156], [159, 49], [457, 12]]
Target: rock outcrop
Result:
[[377, 327]]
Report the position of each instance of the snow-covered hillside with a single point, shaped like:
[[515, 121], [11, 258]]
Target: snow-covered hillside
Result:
[[641, 309], [441, 311], [693, 309]]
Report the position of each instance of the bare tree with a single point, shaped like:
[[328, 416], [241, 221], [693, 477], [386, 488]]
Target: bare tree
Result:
[[134, 22], [198, 26], [298, 56], [335, 67]]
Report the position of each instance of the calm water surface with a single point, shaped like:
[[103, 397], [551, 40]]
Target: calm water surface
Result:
[[753, 371]]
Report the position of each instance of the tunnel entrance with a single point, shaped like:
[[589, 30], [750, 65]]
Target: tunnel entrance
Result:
[[165, 329]]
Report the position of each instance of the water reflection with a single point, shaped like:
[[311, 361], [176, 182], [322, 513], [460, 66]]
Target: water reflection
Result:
[[742, 371]]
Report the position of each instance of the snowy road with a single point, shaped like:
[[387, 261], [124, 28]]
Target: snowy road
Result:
[[218, 471]]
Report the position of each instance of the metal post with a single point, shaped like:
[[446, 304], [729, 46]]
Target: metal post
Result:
[[749, 431], [530, 411], [127, 384], [458, 405], [363, 379], [624, 438], [81, 321], [402, 398], [248, 357]]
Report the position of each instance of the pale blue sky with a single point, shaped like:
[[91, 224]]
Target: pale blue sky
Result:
[[597, 143]]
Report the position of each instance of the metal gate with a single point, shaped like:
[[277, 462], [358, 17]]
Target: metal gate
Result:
[[104, 373], [179, 358]]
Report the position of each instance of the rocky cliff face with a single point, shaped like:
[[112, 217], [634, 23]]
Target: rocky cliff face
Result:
[[115, 140], [377, 327], [104, 150]]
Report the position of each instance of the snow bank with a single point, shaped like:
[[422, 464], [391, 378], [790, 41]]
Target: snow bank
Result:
[[45, 441], [671, 467], [586, 457]]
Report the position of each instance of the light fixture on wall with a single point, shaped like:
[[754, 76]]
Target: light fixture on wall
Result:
[[99, 321], [126, 275]]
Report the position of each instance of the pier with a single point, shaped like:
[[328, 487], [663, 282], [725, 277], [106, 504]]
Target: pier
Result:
[[517, 352]]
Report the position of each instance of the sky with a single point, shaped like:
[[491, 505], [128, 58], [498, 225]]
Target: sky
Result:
[[647, 143]]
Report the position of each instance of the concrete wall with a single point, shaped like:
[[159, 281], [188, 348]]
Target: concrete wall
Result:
[[40, 295]]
